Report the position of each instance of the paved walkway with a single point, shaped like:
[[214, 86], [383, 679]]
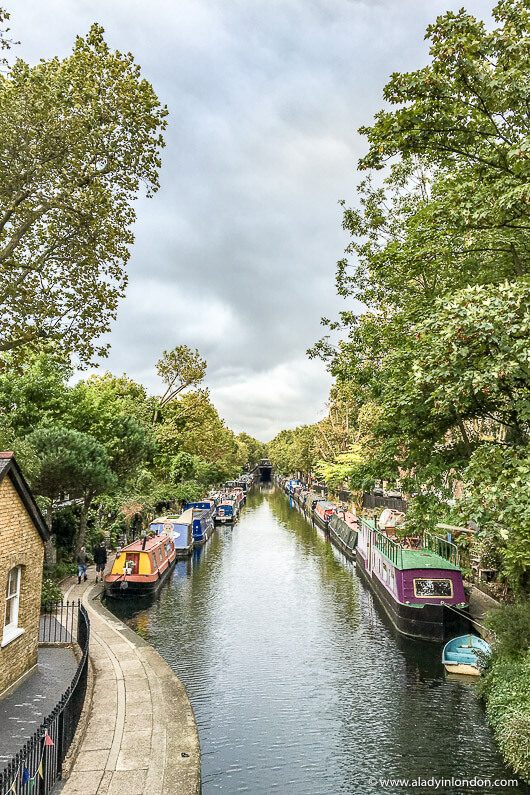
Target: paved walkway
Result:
[[23, 711], [141, 735]]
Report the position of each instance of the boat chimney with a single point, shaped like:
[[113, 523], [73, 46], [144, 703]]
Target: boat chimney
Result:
[[144, 542]]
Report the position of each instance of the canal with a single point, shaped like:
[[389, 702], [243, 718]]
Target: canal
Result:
[[298, 681]]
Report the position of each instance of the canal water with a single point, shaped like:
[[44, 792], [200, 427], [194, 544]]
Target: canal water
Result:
[[298, 681]]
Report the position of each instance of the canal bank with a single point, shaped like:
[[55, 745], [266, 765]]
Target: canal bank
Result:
[[139, 732], [298, 681]]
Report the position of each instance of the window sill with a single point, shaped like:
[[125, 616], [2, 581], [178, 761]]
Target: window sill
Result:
[[10, 635]]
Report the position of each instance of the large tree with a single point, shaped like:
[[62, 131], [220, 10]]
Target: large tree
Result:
[[68, 464], [78, 138]]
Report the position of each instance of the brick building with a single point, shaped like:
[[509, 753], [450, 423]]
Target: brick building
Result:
[[23, 534]]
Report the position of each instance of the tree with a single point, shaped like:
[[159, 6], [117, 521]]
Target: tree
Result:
[[78, 136], [67, 463], [179, 369], [256, 450]]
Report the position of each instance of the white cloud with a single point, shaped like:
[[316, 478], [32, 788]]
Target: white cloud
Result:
[[236, 253]]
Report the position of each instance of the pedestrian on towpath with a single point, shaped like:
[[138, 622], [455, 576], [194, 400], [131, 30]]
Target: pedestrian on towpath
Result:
[[81, 560], [100, 559]]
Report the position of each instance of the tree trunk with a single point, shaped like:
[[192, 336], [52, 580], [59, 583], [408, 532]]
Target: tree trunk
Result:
[[82, 525], [49, 551]]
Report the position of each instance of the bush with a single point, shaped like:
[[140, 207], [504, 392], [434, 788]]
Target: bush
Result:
[[50, 592], [59, 571], [510, 625]]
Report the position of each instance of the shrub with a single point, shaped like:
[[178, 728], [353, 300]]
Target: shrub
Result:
[[50, 592], [510, 625]]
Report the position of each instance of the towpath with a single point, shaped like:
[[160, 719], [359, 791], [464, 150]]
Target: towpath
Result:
[[139, 733]]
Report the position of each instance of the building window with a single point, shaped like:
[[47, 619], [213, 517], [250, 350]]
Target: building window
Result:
[[11, 628]]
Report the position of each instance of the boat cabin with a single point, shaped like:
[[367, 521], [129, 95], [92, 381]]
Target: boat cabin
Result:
[[323, 510], [141, 567], [178, 528]]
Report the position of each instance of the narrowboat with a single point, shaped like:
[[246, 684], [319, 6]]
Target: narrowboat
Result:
[[202, 524], [418, 581], [238, 496], [343, 529], [322, 512], [141, 567], [310, 502], [179, 529], [224, 513], [460, 655]]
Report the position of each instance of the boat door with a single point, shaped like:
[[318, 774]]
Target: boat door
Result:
[[131, 558]]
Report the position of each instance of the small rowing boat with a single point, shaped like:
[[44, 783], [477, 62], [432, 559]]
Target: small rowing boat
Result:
[[460, 655]]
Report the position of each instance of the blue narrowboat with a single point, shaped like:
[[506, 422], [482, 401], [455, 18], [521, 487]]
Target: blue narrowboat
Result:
[[225, 513], [202, 524]]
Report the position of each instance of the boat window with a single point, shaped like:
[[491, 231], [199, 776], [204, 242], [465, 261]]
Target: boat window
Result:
[[424, 588], [160, 554], [385, 572]]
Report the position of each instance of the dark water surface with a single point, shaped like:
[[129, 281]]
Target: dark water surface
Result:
[[298, 682]]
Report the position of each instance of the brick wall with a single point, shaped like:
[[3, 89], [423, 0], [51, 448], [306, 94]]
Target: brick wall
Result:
[[20, 545]]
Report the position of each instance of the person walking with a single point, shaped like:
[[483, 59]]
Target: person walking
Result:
[[82, 561], [100, 559]]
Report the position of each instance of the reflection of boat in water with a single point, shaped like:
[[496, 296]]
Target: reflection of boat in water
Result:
[[460, 655], [141, 567]]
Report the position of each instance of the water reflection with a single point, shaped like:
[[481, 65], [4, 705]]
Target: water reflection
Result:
[[298, 681]]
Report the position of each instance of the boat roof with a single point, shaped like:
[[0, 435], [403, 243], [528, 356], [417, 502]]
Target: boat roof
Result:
[[186, 517], [402, 558], [327, 505], [151, 543], [423, 559]]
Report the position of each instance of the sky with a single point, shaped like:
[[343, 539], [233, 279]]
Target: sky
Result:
[[236, 253]]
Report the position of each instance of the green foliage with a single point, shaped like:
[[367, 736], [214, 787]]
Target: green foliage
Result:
[[65, 525], [80, 137], [67, 462], [505, 684], [256, 450], [50, 593], [510, 625]]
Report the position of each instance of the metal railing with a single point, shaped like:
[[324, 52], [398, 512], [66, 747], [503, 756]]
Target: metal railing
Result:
[[37, 767], [445, 549]]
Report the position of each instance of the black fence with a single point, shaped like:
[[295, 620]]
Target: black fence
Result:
[[375, 501], [37, 767]]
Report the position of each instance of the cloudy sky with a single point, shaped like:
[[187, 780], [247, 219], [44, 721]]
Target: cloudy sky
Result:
[[236, 254]]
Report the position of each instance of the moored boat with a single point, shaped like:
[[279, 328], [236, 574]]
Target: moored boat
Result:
[[179, 529], [343, 529], [418, 581], [202, 524], [141, 567], [460, 656], [224, 513], [322, 512]]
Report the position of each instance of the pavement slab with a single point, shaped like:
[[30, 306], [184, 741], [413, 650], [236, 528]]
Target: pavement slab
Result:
[[140, 715]]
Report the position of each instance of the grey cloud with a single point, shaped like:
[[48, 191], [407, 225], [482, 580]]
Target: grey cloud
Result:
[[236, 253]]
